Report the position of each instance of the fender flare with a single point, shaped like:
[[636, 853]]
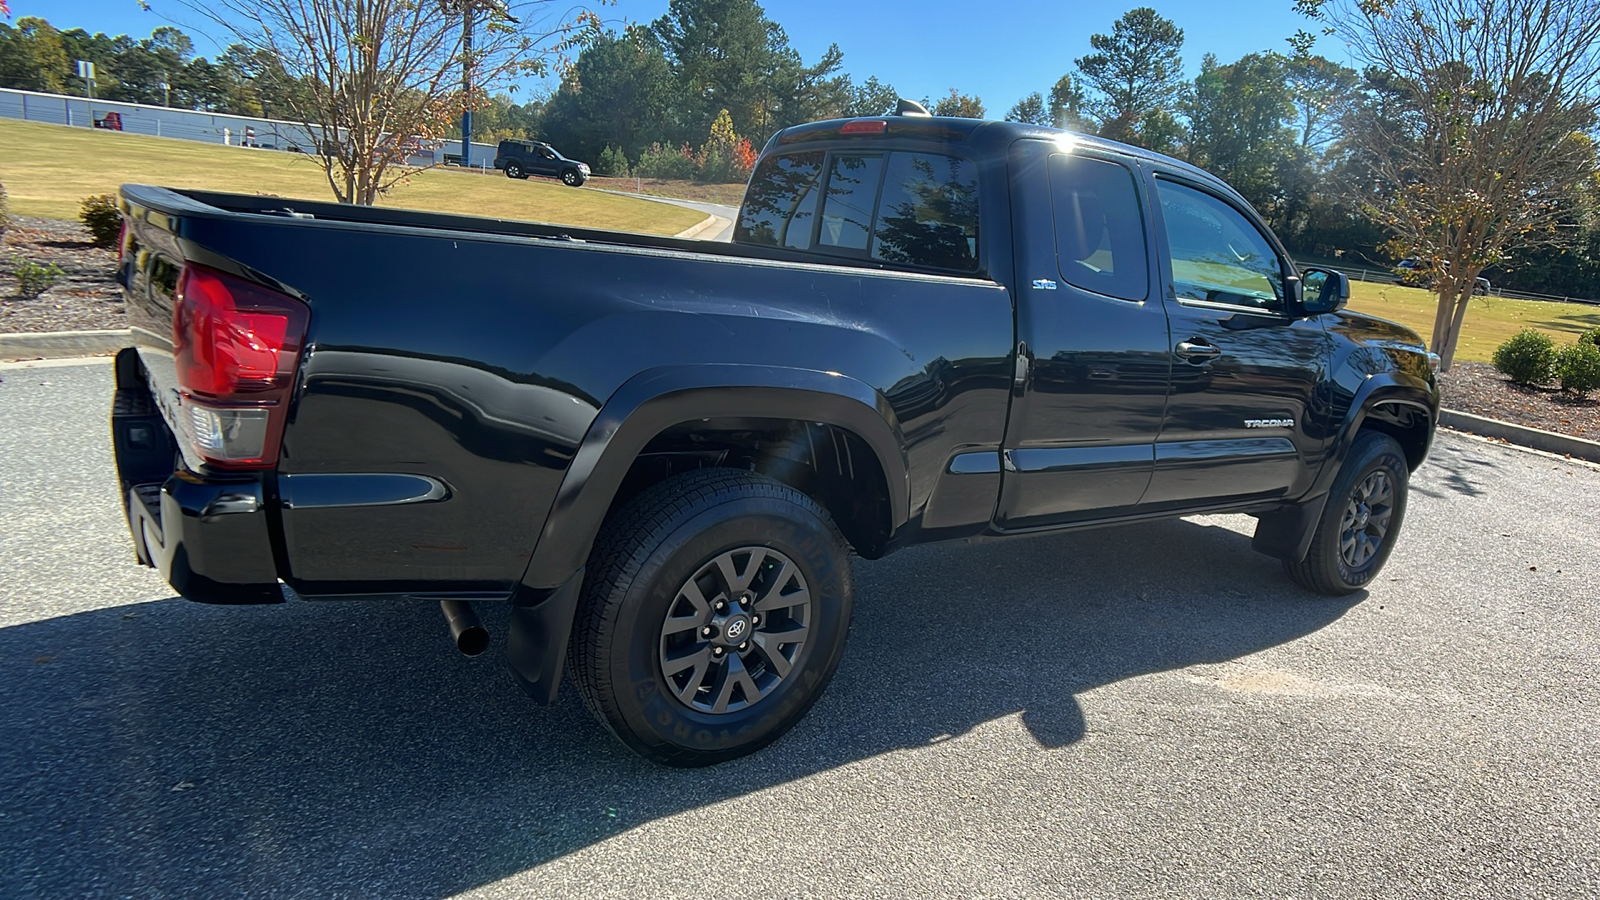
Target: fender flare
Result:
[[1387, 387], [659, 398], [1286, 532]]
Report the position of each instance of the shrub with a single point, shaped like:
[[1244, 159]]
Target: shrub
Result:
[[1578, 367], [101, 216], [5, 212], [725, 157], [1592, 336], [1529, 357], [34, 279], [612, 162], [661, 161]]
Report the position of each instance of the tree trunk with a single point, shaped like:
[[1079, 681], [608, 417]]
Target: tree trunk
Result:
[[1457, 313]]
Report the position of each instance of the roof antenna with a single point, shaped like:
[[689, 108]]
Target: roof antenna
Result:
[[910, 108]]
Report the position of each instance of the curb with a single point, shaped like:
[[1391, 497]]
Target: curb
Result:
[[1548, 441], [710, 223], [58, 344]]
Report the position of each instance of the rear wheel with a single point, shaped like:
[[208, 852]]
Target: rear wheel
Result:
[[514, 170], [715, 611], [1361, 521]]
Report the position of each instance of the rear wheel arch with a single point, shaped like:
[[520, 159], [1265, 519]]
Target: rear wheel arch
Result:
[[664, 412]]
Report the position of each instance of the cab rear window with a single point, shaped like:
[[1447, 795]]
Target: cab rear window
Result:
[[919, 209]]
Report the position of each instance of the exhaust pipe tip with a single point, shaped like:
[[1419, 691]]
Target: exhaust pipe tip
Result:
[[469, 634]]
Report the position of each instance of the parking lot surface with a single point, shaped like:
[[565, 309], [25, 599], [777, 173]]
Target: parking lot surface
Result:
[[1149, 711]]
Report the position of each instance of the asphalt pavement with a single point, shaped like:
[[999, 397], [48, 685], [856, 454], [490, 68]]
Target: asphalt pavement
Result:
[[1152, 711]]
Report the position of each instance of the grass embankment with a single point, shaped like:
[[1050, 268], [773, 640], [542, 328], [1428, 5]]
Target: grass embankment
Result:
[[49, 169], [1490, 320]]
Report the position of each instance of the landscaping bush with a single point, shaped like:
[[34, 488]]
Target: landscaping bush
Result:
[[1592, 336], [5, 212], [725, 157], [612, 163], [1578, 367], [661, 161], [104, 221], [1529, 357], [34, 279]]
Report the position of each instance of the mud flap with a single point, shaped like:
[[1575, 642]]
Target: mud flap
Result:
[[536, 642], [1285, 533]]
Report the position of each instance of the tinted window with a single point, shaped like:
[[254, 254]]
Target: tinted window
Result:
[[781, 203], [928, 214], [847, 211], [1217, 254], [1100, 242]]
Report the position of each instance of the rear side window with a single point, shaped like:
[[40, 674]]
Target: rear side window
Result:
[[919, 209], [1100, 243], [928, 214], [780, 205]]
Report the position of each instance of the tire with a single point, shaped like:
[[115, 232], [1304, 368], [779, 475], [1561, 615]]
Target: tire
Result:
[[514, 170], [1361, 522], [641, 655], [572, 178]]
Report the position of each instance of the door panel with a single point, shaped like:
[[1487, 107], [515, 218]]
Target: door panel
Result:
[[1244, 371], [1092, 379]]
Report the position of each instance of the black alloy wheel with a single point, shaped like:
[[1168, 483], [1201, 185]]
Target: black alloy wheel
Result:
[[735, 630], [1366, 519], [1361, 520], [715, 609]]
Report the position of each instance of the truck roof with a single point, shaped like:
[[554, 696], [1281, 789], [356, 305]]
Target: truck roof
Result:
[[985, 137]]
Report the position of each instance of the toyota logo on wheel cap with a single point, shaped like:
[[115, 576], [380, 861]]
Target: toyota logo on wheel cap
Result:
[[736, 629]]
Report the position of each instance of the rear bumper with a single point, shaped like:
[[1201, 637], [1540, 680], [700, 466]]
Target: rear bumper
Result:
[[209, 537]]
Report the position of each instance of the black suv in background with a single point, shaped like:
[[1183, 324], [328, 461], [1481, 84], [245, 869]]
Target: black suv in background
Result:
[[519, 159]]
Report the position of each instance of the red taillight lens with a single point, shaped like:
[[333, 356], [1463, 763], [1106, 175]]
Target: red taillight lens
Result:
[[864, 126], [236, 345], [122, 240]]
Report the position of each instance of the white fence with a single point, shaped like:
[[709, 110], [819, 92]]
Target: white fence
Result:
[[192, 125]]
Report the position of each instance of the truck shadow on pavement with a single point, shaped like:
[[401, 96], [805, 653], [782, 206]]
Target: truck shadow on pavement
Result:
[[171, 748]]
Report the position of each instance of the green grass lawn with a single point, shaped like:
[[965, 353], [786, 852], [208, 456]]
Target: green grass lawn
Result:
[[49, 169], [1490, 320]]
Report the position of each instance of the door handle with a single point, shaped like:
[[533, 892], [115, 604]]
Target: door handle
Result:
[[1197, 351]]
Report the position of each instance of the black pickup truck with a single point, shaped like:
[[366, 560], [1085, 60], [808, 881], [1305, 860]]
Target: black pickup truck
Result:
[[662, 453]]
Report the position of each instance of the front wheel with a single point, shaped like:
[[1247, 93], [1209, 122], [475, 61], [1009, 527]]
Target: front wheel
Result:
[[1359, 525], [572, 178], [714, 613]]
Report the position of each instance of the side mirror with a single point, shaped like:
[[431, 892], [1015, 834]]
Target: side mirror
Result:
[[1323, 291]]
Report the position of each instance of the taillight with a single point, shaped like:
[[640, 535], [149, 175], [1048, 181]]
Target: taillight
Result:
[[122, 240], [236, 345]]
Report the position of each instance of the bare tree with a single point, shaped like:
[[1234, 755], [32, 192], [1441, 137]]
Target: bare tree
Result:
[[373, 82], [1474, 140]]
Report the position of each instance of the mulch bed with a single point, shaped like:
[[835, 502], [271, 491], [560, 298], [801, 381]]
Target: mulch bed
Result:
[[85, 299], [1478, 389]]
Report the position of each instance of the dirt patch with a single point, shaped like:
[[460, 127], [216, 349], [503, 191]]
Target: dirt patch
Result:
[[1478, 389], [86, 298]]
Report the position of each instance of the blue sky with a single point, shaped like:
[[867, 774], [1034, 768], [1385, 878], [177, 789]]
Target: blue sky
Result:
[[999, 51]]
